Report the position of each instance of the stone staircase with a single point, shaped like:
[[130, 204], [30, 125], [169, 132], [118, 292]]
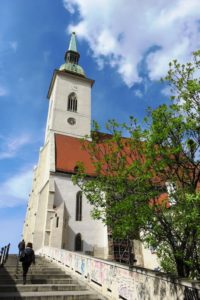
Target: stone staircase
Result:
[[45, 280]]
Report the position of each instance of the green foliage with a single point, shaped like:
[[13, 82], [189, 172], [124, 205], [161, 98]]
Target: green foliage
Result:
[[129, 192]]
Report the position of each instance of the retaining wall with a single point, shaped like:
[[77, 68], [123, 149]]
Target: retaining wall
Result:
[[117, 281]]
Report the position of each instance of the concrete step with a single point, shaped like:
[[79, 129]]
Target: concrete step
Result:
[[38, 275], [36, 266], [19, 265], [11, 261], [45, 280], [15, 257], [10, 269], [42, 287], [37, 281], [32, 270], [52, 295], [47, 275]]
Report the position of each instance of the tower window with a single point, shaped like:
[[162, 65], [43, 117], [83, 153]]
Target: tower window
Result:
[[57, 221], [72, 102], [78, 242], [79, 206]]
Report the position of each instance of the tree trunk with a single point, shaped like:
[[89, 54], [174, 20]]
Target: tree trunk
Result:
[[181, 268]]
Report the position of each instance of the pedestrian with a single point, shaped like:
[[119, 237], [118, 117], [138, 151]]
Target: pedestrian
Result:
[[27, 259], [21, 246]]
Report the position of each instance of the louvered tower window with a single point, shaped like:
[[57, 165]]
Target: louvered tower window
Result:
[[72, 102]]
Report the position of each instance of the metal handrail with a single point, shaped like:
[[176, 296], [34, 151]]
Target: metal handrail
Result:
[[4, 254]]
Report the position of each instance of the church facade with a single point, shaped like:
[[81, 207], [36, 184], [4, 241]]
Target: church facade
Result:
[[58, 214]]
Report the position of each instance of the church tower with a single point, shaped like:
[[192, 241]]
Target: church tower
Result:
[[70, 97], [58, 214]]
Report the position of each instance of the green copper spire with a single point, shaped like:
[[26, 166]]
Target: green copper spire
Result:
[[72, 43], [71, 58]]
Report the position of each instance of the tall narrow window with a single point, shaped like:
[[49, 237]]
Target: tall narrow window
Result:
[[79, 206], [78, 242], [57, 221], [72, 102]]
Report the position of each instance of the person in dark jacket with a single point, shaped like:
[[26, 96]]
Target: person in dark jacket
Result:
[[21, 246], [29, 258]]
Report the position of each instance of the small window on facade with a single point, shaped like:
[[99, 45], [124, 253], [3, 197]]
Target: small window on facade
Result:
[[57, 221], [79, 206], [78, 242], [72, 102]]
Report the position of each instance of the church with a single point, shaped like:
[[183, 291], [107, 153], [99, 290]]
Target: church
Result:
[[58, 214]]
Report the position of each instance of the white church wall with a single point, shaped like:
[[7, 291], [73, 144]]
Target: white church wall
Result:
[[41, 233], [29, 222], [93, 232], [52, 150], [151, 260], [50, 115], [34, 229], [57, 226], [43, 166]]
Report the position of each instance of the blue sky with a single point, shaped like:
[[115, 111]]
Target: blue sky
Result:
[[125, 46]]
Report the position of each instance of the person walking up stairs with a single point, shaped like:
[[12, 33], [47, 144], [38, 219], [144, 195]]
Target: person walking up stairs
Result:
[[27, 257]]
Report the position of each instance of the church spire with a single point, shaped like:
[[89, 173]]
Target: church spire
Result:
[[72, 55], [72, 58], [72, 43]]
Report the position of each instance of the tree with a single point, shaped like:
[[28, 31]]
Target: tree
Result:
[[146, 185]]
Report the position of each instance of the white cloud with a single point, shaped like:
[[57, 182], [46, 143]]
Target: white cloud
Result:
[[11, 145], [69, 5], [121, 33], [14, 191], [14, 45], [167, 91], [138, 93], [3, 91]]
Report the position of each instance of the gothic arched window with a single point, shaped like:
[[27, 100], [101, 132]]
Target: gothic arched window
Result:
[[78, 242], [72, 102], [79, 206]]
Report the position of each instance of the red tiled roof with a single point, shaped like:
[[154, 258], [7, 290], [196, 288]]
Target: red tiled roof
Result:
[[69, 151]]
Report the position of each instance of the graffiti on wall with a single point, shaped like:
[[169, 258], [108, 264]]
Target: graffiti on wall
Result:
[[119, 280]]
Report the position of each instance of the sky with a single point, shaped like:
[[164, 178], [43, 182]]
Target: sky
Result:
[[125, 46]]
